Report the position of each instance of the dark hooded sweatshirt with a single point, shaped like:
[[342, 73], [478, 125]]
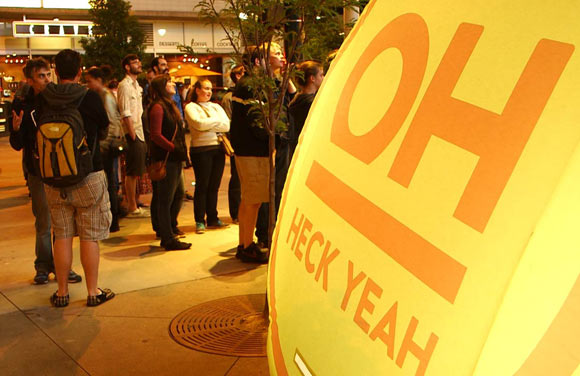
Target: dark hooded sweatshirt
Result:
[[95, 119], [25, 138], [298, 112]]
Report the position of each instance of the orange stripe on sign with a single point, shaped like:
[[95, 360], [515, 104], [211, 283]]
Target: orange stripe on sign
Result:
[[432, 266], [558, 352]]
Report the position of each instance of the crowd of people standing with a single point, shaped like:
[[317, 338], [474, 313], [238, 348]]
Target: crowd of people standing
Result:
[[136, 127]]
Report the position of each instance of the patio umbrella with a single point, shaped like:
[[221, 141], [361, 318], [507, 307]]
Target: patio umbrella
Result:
[[191, 70]]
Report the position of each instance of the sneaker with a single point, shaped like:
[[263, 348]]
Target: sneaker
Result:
[[253, 253], [138, 213], [199, 227], [104, 296], [74, 277], [188, 196], [114, 227], [122, 212], [239, 251], [218, 224], [175, 245], [178, 233], [41, 277], [59, 301]]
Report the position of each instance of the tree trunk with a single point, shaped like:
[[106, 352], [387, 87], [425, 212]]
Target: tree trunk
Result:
[[272, 184], [272, 201]]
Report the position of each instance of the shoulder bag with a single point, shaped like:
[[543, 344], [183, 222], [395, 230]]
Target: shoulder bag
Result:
[[156, 170]]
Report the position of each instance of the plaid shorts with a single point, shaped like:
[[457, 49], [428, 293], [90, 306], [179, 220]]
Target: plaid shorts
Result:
[[82, 209]]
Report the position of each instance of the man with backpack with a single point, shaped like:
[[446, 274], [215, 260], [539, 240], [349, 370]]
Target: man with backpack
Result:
[[23, 137], [72, 170]]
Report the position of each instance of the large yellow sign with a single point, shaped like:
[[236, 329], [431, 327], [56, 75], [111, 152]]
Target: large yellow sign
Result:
[[430, 224]]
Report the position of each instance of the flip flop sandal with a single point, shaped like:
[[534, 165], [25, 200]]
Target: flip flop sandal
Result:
[[59, 301], [104, 296]]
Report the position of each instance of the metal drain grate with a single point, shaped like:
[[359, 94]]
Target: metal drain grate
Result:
[[229, 326]]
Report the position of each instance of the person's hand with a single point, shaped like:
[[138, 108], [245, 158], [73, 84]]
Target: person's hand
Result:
[[291, 87], [17, 120], [286, 67]]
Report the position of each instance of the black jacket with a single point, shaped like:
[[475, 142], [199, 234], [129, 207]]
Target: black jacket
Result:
[[249, 137], [298, 112], [92, 110], [25, 138]]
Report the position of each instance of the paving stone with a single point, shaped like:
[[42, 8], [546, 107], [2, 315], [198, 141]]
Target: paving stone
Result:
[[130, 334], [27, 350]]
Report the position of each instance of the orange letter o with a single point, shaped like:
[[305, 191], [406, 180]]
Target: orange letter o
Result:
[[409, 34]]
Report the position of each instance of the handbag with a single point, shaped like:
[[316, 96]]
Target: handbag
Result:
[[156, 170], [226, 144]]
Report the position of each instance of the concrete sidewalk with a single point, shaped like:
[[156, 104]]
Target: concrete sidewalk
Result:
[[128, 335]]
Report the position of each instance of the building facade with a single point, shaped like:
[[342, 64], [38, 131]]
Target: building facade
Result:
[[40, 27], [30, 28]]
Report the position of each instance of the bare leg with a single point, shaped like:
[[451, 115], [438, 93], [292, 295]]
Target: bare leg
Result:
[[62, 254], [247, 215], [241, 223], [90, 261], [131, 192], [253, 215]]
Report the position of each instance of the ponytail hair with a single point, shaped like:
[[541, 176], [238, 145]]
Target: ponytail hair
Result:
[[309, 68], [192, 95], [97, 73]]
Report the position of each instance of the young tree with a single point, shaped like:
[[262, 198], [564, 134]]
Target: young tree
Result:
[[115, 34], [307, 29]]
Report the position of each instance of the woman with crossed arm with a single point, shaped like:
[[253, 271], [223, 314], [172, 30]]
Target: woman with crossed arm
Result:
[[206, 119]]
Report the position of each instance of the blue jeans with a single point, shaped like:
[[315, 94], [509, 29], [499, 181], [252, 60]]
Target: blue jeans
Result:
[[154, 205], [169, 200], [153, 208], [44, 261], [108, 156]]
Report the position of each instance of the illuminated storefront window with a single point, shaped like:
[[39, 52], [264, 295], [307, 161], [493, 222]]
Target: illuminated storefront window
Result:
[[51, 28], [61, 4]]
